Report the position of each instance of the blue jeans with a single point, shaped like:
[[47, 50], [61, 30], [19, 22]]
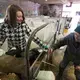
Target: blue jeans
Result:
[[77, 74]]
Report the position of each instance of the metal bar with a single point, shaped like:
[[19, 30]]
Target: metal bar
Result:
[[35, 61], [48, 63], [26, 60], [38, 68]]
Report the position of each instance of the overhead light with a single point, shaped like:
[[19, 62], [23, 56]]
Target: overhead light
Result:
[[69, 4], [46, 0]]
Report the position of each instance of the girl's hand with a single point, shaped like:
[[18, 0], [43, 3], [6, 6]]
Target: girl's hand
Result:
[[50, 51]]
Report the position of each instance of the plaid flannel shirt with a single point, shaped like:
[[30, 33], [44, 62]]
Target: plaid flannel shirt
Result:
[[16, 36]]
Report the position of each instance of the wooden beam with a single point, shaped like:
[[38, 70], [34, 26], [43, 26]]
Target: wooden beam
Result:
[[50, 1]]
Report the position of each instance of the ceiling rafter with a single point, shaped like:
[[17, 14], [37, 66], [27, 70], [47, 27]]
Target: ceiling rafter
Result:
[[55, 1]]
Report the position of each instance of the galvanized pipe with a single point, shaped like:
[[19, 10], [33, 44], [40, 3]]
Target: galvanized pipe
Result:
[[26, 54]]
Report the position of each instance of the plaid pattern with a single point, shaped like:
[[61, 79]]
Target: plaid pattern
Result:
[[16, 36]]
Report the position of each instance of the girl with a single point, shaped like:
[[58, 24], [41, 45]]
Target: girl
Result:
[[14, 29]]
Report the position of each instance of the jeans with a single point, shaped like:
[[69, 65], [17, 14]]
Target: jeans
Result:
[[66, 59], [77, 74]]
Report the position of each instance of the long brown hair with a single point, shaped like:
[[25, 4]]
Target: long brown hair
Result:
[[10, 16]]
